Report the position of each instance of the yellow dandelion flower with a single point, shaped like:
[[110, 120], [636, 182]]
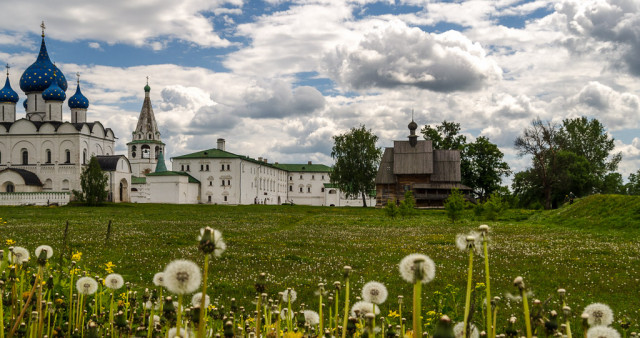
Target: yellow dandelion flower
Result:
[[76, 256], [74, 271], [393, 314], [108, 267], [11, 242], [123, 295]]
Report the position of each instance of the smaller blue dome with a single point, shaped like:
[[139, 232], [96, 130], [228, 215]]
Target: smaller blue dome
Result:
[[54, 93], [78, 100], [7, 94]]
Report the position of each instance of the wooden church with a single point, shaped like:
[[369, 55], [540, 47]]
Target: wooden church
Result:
[[415, 166]]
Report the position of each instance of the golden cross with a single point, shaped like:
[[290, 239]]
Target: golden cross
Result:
[[7, 66], [78, 75], [43, 27]]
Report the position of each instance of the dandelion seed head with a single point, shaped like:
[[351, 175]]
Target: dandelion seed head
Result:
[[562, 292], [47, 248], [407, 268], [311, 317], [363, 307], [289, 295], [458, 330], [19, 255], [600, 331], [598, 314], [374, 292], [483, 228], [182, 276], [197, 299], [213, 242], [519, 282], [158, 279], [114, 281], [86, 286]]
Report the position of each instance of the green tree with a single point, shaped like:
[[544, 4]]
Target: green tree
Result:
[[612, 184], [93, 183], [588, 138], [357, 159], [454, 205], [633, 187], [485, 167], [572, 157], [445, 136], [540, 141]]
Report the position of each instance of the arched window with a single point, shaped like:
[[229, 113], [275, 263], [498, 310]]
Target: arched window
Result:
[[48, 156], [65, 184], [84, 156], [47, 184], [10, 187], [146, 151], [157, 152], [25, 156], [67, 154]]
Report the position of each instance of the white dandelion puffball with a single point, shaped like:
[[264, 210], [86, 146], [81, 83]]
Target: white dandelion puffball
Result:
[[407, 268], [19, 255], [462, 242], [114, 281], [289, 295], [600, 331], [598, 314], [458, 331], [158, 279], [220, 245], [197, 298], [182, 276], [86, 286], [311, 317], [173, 333], [47, 248], [283, 313], [363, 308], [374, 292]]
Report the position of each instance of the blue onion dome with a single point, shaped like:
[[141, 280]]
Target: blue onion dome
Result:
[[7, 94], [54, 93], [39, 76], [78, 100], [147, 88]]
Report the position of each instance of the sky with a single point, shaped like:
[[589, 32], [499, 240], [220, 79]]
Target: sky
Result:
[[277, 79]]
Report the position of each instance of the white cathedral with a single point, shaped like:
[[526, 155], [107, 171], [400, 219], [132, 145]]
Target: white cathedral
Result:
[[42, 157]]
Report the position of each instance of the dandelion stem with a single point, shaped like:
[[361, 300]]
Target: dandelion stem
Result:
[[417, 308], [337, 311], [346, 306], [527, 317], [2, 312], [201, 323], [321, 327], [24, 308], [179, 318], [490, 329], [467, 302]]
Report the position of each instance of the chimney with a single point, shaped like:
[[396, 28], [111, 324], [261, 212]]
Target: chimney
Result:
[[309, 163], [265, 160], [260, 159], [221, 144]]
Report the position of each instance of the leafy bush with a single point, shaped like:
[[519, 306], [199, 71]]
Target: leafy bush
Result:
[[407, 206], [454, 205], [494, 207], [391, 209]]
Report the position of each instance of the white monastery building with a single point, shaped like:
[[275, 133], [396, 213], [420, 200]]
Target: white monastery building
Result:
[[42, 156]]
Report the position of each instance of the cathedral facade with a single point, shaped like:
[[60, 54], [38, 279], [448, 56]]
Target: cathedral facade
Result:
[[41, 154]]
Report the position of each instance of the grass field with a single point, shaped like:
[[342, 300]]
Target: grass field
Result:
[[301, 246]]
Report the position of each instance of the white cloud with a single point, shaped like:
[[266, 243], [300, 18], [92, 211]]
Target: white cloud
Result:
[[119, 21], [395, 55], [94, 45]]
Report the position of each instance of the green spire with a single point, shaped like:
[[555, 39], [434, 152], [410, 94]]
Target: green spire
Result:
[[160, 167], [147, 88]]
